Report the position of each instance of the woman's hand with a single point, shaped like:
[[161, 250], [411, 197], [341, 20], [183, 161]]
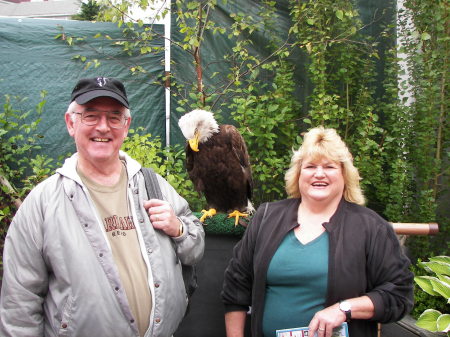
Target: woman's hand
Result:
[[324, 321]]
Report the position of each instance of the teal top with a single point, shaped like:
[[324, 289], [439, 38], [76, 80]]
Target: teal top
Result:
[[296, 283]]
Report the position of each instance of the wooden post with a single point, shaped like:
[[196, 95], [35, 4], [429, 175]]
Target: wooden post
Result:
[[431, 228]]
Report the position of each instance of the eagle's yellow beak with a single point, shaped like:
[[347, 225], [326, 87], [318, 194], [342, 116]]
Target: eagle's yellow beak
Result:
[[193, 142]]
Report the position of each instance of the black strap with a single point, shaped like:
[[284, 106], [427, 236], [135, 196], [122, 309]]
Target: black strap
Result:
[[154, 191], [151, 183]]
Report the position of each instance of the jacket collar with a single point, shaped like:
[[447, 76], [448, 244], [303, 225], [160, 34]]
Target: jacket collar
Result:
[[70, 164], [337, 217]]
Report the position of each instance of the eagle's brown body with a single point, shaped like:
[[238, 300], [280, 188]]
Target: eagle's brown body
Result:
[[221, 170]]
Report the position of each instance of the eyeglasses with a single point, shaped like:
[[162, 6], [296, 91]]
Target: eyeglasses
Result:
[[91, 117]]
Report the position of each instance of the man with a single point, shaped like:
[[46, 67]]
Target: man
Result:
[[87, 254]]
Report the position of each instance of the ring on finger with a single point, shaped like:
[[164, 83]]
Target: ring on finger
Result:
[[321, 329]]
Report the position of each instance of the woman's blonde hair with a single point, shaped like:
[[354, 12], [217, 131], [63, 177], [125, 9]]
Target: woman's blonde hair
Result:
[[325, 143]]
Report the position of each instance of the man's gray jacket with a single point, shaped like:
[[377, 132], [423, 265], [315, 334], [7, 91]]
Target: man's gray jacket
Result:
[[59, 275]]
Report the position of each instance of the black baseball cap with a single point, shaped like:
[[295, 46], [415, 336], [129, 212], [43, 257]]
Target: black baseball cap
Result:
[[89, 88]]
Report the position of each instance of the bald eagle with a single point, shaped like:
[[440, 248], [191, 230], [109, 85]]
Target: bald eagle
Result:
[[218, 164]]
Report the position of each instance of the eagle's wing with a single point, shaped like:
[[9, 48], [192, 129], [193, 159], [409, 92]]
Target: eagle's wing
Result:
[[240, 152]]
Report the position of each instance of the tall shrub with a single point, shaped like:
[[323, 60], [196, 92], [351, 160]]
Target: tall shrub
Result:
[[426, 47]]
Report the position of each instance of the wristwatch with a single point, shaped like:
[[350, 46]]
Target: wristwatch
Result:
[[346, 308]]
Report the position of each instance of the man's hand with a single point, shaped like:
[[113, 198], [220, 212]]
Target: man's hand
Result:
[[162, 217]]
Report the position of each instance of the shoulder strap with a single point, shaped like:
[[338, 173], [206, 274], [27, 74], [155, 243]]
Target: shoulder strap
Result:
[[151, 183], [154, 191]]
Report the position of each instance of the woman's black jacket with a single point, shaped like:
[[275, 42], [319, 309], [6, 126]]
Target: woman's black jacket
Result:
[[365, 258]]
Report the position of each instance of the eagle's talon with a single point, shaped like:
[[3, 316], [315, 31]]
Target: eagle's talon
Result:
[[207, 214], [237, 214]]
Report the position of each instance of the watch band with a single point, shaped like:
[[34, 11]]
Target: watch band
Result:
[[346, 308]]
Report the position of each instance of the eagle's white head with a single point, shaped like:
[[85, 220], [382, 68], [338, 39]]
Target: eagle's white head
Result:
[[198, 126]]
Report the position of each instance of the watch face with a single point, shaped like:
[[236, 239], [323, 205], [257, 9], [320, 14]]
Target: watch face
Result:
[[345, 306]]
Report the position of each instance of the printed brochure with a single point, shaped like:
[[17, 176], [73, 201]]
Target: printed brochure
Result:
[[341, 331]]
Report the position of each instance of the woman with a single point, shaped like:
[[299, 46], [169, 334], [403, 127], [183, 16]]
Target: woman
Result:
[[319, 258]]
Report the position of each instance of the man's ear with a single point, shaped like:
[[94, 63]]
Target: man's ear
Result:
[[127, 126], [69, 124]]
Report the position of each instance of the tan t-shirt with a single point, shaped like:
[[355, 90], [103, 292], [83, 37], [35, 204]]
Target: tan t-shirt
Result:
[[113, 206]]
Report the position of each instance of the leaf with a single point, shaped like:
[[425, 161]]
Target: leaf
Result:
[[441, 287], [310, 21], [428, 320], [415, 34], [436, 267], [339, 14], [443, 323], [308, 47], [444, 278], [441, 258], [425, 36], [424, 282]]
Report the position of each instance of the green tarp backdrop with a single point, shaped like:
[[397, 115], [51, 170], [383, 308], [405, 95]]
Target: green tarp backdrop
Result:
[[31, 60]]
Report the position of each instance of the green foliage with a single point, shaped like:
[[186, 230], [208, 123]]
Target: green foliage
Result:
[[265, 111], [20, 169], [89, 11], [426, 47], [19, 138], [267, 122], [168, 162], [342, 68], [423, 300], [438, 285]]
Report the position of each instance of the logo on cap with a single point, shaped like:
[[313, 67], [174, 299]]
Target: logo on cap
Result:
[[101, 81]]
